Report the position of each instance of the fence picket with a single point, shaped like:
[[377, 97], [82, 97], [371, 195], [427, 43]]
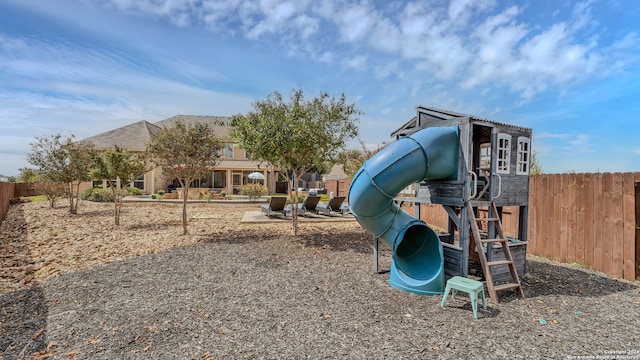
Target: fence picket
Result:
[[629, 226], [617, 233], [579, 224], [588, 197], [6, 193], [608, 222]]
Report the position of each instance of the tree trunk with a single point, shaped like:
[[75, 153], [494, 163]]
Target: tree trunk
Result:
[[77, 196], [294, 205], [74, 197], [117, 205], [116, 209], [70, 190], [184, 210]]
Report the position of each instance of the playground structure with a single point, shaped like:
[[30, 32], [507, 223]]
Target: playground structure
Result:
[[469, 166], [416, 264]]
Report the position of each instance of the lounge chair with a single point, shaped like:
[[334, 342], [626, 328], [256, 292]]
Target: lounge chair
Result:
[[276, 205], [334, 205], [307, 206]]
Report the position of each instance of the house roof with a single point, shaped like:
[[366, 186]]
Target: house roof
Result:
[[336, 173], [436, 113], [219, 124], [133, 137]]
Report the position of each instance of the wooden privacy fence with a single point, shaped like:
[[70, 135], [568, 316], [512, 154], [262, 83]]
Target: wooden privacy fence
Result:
[[12, 190], [588, 219], [338, 187], [6, 193]]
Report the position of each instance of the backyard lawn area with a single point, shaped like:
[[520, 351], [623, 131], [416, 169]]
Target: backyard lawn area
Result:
[[78, 287]]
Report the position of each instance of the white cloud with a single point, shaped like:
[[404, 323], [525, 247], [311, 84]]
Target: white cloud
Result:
[[358, 62], [476, 43], [461, 9], [354, 22], [385, 37], [581, 143], [327, 57], [389, 69], [530, 61], [437, 50], [551, 136], [275, 15]]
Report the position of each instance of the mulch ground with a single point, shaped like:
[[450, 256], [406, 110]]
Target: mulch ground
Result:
[[77, 287]]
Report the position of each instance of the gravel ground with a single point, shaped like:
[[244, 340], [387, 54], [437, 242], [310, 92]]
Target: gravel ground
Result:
[[77, 287]]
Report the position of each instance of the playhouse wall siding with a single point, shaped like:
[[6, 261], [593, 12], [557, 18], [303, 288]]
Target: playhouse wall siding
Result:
[[518, 253], [453, 261]]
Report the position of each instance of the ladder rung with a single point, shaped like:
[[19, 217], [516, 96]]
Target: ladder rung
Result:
[[506, 286], [499, 262], [487, 219], [485, 241]]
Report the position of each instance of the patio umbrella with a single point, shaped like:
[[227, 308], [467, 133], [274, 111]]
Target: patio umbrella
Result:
[[256, 176]]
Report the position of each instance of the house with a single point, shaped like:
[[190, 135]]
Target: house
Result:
[[231, 172]]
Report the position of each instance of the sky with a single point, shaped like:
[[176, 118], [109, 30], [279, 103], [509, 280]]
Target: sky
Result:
[[569, 70]]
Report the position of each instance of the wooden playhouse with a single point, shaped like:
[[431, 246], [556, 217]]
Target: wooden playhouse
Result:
[[493, 173]]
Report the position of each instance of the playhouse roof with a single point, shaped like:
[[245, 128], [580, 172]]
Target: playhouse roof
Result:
[[440, 114]]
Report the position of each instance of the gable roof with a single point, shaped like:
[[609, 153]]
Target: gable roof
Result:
[[133, 137], [435, 113], [219, 124]]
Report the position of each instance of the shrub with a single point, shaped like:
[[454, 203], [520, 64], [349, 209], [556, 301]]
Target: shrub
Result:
[[97, 194], [51, 189], [253, 191], [300, 198], [132, 191]]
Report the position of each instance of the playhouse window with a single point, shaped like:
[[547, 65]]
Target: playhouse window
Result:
[[524, 144], [504, 153]]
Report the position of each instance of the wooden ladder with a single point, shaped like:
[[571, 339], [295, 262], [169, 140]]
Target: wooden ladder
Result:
[[500, 239]]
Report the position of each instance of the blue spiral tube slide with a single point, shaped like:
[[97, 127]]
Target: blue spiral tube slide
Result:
[[417, 263]]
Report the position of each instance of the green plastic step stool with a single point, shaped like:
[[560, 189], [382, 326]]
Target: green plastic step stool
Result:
[[472, 287]]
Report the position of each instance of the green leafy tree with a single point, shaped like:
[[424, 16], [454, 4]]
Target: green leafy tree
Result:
[[27, 175], [186, 152], [297, 134], [353, 159], [9, 178], [534, 166], [118, 166], [63, 160]]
